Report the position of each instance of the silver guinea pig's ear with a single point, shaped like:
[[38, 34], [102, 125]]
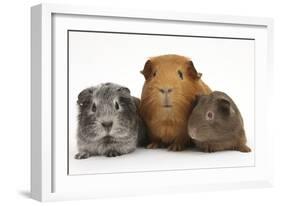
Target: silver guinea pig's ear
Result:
[[124, 90], [84, 97]]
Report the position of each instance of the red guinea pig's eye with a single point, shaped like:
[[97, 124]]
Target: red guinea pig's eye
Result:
[[180, 75], [209, 115]]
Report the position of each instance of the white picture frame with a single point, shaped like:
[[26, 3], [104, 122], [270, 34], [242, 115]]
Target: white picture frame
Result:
[[50, 179]]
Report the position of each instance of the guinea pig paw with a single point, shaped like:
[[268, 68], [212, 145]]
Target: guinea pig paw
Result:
[[244, 148], [208, 148], [153, 145], [176, 147], [211, 150], [82, 155], [112, 153]]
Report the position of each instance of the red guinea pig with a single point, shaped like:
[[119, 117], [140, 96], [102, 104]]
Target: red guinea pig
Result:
[[170, 87]]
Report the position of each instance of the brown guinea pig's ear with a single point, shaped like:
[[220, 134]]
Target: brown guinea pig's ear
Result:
[[84, 97], [147, 69], [192, 72], [224, 106]]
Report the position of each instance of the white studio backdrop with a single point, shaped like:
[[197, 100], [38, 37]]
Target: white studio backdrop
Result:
[[227, 65]]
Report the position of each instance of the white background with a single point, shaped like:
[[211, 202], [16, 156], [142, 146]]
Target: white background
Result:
[[15, 103], [226, 64]]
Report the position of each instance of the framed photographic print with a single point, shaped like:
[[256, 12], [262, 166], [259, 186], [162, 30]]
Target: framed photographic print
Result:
[[135, 102]]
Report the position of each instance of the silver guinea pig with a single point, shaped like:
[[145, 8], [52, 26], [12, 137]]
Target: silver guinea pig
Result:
[[108, 122]]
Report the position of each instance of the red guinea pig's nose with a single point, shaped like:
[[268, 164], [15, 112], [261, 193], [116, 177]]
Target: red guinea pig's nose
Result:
[[165, 90]]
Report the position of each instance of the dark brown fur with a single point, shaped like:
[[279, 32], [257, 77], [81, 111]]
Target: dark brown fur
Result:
[[216, 124], [215, 146], [171, 84]]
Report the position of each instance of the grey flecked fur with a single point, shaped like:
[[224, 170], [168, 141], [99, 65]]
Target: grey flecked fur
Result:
[[108, 121]]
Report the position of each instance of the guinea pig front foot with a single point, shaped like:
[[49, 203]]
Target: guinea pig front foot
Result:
[[154, 145], [112, 153], [210, 149], [244, 148], [205, 147], [176, 147], [82, 155]]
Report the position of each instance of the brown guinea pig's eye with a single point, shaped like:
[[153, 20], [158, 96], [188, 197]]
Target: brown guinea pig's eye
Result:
[[154, 74], [210, 115], [180, 74], [94, 107]]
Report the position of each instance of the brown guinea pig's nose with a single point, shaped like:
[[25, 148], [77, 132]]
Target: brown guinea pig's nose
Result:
[[166, 90], [193, 132]]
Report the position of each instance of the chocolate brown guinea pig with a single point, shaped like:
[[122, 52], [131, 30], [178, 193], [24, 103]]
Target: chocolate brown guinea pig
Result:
[[171, 84], [216, 124]]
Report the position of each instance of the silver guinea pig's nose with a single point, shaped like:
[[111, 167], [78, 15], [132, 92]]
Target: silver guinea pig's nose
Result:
[[107, 125]]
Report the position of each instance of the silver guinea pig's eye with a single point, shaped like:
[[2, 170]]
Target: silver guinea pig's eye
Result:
[[116, 106], [94, 107]]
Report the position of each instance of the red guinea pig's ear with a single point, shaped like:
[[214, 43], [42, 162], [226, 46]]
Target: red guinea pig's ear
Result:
[[192, 72], [147, 69]]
